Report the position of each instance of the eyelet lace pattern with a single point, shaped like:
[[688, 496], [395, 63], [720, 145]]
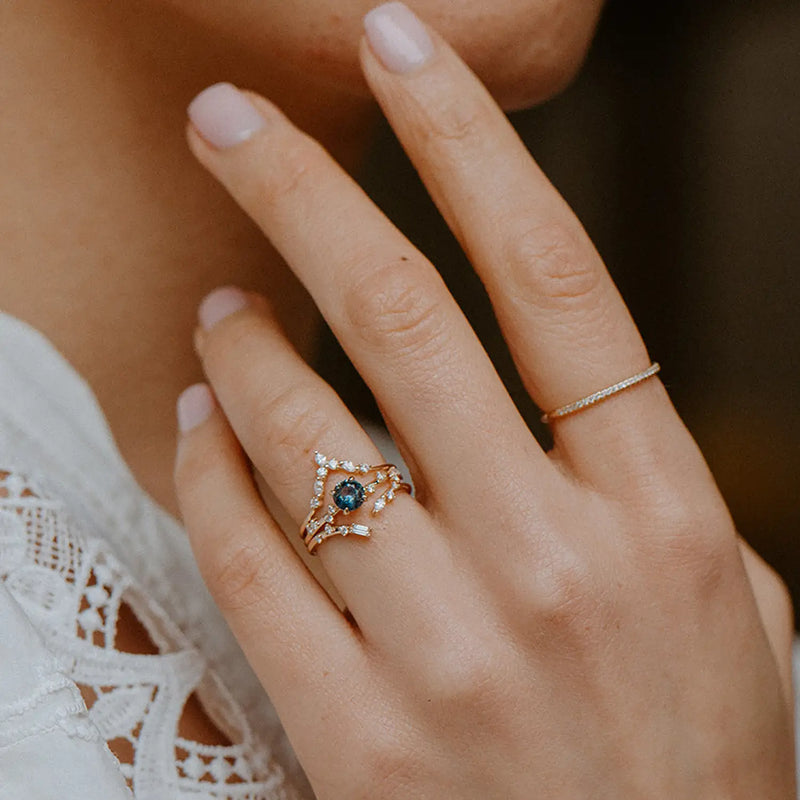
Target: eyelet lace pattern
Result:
[[71, 587]]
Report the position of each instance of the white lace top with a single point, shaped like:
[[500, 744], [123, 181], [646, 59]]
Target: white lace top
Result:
[[80, 542], [80, 545]]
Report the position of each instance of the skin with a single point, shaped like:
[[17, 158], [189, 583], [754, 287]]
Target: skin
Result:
[[573, 624], [98, 246], [109, 232], [542, 42]]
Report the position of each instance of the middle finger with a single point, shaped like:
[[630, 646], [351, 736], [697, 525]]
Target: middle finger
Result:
[[281, 411], [564, 320]]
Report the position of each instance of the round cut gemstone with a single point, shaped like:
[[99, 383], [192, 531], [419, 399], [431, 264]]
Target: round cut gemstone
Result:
[[349, 495]]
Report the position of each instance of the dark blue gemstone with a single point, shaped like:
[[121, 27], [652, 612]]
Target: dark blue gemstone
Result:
[[349, 495]]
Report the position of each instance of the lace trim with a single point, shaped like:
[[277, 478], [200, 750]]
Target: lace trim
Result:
[[73, 590]]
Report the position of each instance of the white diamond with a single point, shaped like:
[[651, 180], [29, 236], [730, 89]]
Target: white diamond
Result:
[[333, 463], [348, 466], [379, 504], [318, 487], [370, 488], [380, 477], [343, 530], [359, 530], [319, 458], [389, 496], [322, 472], [315, 502], [363, 468]]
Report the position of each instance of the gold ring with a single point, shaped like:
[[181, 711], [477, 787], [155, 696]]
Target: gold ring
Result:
[[598, 397], [359, 481]]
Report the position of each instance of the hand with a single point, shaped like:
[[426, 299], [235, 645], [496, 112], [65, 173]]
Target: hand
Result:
[[583, 623]]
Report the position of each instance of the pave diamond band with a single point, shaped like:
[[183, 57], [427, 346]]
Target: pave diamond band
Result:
[[603, 394], [358, 483]]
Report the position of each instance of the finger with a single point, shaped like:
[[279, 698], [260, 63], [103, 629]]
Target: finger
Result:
[[568, 328], [384, 301], [287, 626], [775, 607], [282, 412]]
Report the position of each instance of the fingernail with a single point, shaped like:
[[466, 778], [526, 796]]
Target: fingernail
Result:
[[224, 116], [194, 406], [219, 304], [398, 37]]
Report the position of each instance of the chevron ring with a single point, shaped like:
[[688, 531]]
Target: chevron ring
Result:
[[356, 486]]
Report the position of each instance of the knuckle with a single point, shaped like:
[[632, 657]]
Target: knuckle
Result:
[[295, 420], [563, 591], [299, 160], [697, 538], [236, 573], [466, 677], [701, 522], [397, 309], [442, 119], [550, 267], [390, 769], [448, 119]]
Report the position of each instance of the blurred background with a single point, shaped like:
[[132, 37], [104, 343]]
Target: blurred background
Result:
[[678, 146]]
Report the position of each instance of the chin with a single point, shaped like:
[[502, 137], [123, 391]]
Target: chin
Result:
[[525, 51]]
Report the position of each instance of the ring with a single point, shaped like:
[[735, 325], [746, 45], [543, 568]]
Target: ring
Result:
[[603, 394], [348, 495]]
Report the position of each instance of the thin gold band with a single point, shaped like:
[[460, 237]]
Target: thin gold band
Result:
[[603, 394]]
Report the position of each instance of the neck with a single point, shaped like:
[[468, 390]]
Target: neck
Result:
[[110, 233]]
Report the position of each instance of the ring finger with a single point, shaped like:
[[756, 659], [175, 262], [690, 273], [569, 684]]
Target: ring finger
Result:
[[281, 412]]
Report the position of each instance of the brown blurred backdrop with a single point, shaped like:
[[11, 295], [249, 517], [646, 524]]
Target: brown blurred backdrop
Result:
[[679, 148]]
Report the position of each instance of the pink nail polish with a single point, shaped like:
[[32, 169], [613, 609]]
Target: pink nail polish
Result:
[[194, 406], [224, 116], [219, 304], [398, 37]]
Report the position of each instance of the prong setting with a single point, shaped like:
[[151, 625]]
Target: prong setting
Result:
[[348, 495]]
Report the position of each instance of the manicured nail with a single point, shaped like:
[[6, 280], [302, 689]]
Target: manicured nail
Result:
[[194, 406], [224, 116], [219, 304], [398, 37]]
